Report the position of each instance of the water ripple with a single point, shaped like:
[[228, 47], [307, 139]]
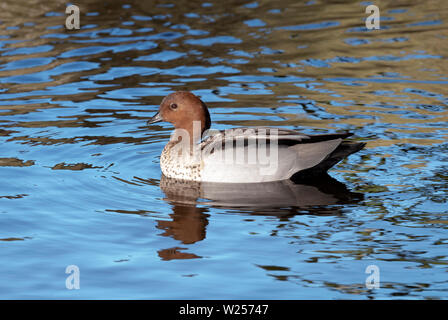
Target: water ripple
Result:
[[80, 171]]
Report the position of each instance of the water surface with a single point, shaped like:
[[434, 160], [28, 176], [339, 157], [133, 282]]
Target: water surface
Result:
[[79, 169]]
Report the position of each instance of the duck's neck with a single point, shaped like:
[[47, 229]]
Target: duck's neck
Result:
[[184, 145], [189, 134]]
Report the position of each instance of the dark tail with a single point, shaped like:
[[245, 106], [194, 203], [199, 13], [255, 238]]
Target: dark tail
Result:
[[342, 151], [345, 149]]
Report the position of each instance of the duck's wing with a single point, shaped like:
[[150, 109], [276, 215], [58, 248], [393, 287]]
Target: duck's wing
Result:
[[279, 135], [227, 155]]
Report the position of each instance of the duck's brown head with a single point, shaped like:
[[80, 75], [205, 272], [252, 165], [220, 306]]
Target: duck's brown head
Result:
[[182, 109]]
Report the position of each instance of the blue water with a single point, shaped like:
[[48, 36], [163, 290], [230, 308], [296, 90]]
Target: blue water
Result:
[[79, 169]]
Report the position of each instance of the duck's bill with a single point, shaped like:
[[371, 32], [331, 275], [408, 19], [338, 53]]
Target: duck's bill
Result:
[[156, 118]]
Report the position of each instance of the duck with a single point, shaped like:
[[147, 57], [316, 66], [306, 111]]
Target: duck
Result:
[[195, 152]]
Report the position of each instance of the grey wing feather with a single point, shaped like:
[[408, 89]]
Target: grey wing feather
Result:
[[217, 138]]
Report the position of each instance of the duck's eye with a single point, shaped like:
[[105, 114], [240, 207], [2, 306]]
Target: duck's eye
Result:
[[173, 106]]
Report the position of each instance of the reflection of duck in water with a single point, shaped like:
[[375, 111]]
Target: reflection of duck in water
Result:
[[277, 194], [279, 198], [188, 226]]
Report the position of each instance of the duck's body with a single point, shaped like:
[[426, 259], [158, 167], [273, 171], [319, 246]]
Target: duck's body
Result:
[[241, 155]]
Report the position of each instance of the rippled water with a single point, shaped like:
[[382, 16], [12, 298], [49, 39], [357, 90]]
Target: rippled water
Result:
[[80, 177]]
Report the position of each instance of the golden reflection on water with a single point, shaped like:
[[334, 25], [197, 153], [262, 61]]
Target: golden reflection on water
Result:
[[280, 45]]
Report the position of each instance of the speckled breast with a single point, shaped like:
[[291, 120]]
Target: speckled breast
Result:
[[180, 165]]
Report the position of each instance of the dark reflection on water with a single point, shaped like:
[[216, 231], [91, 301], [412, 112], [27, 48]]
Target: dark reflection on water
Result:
[[73, 108], [188, 226]]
